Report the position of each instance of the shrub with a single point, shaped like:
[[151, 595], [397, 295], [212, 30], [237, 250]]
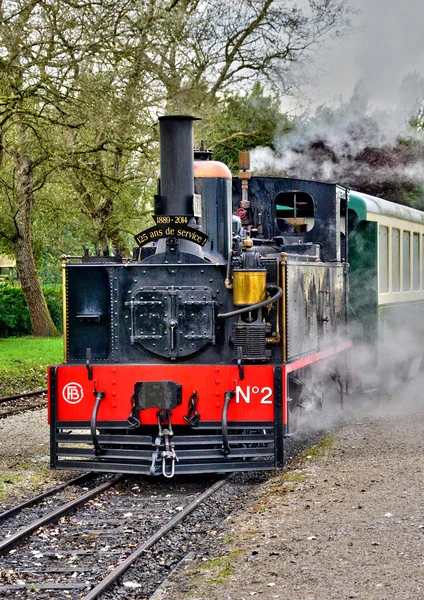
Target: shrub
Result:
[[53, 296], [14, 314]]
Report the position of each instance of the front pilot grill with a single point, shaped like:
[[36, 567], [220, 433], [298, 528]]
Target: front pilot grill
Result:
[[123, 451]]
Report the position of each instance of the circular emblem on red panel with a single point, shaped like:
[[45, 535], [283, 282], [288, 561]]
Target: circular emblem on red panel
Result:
[[73, 393]]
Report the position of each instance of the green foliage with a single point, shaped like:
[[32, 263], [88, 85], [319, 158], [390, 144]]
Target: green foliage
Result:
[[243, 122], [414, 197], [14, 315], [24, 361], [53, 295]]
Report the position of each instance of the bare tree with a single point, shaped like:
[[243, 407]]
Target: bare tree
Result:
[[81, 84], [182, 56], [199, 49], [43, 44]]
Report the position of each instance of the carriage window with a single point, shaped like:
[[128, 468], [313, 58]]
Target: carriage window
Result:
[[295, 212], [406, 262], [383, 253], [416, 261], [395, 260]]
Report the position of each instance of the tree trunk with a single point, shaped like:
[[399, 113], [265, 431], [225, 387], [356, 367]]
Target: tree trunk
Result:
[[42, 323]]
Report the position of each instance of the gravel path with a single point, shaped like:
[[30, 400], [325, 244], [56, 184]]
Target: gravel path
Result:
[[347, 522], [24, 457]]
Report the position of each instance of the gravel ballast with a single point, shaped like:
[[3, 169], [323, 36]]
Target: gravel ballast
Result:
[[24, 457]]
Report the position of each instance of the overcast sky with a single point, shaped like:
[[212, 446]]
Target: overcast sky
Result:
[[386, 44]]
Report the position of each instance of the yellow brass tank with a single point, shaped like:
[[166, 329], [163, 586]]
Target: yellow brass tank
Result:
[[249, 286]]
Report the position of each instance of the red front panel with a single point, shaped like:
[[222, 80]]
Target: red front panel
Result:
[[254, 399]]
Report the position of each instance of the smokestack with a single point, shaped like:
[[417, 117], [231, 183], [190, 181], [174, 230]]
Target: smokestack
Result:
[[176, 166]]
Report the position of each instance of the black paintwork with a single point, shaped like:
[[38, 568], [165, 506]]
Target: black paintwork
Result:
[[165, 307], [278, 418], [330, 200], [176, 166], [141, 306]]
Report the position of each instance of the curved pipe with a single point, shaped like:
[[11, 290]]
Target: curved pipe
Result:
[[228, 283], [246, 309], [97, 447], [224, 425]]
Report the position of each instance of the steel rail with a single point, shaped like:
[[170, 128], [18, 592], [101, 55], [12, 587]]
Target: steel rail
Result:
[[20, 536], [36, 499], [18, 410], [101, 587], [23, 395]]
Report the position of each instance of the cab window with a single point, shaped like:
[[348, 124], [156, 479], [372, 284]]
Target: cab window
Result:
[[294, 212]]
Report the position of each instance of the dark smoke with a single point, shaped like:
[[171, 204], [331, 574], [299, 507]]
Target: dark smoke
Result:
[[368, 149]]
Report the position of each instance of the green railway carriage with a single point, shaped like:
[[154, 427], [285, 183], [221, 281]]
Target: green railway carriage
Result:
[[386, 256]]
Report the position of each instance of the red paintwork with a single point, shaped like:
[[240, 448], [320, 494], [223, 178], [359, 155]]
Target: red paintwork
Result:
[[305, 361], [210, 382], [308, 360]]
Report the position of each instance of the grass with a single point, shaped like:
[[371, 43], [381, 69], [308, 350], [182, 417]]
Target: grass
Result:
[[218, 569], [319, 449], [286, 481], [21, 476], [24, 361]]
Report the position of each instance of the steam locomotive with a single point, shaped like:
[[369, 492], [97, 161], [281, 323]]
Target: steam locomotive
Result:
[[197, 353]]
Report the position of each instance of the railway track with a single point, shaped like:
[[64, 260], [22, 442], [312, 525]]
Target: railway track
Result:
[[18, 403], [120, 539], [84, 548], [11, 540], [36, 500]]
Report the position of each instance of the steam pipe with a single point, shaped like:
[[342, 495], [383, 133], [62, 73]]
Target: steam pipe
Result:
[[246, 309], [227, 282], [224, 422], [93, 425]]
